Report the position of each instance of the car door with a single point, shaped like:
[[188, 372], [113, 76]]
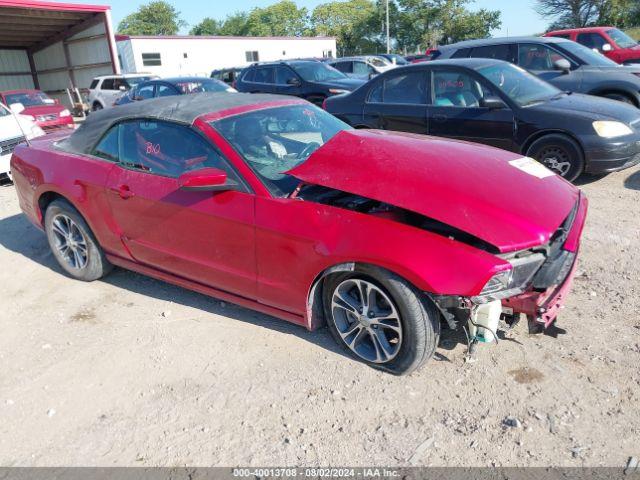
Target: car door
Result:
[[287, 81], [345, 67], [107, 93], [539, 59], [264, 80], [457, 112], [362, 69], [203, 236], [399, 102]]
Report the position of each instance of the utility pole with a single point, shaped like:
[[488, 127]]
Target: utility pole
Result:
[[388, 39]]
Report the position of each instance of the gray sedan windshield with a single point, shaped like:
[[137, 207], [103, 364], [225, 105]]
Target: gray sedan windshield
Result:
[[587, 55]]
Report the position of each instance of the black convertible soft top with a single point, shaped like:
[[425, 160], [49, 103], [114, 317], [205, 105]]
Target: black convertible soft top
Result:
[[180, 109]]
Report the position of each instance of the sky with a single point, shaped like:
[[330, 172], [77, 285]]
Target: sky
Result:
[[518, 16]]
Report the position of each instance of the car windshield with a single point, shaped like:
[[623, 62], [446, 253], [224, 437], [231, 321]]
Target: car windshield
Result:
[[275, 140], [587, 55], [133, 81], [378, 62], [29, 99], [622, 39], [399, 59], [519, 85], [317, 72], [199, 86]]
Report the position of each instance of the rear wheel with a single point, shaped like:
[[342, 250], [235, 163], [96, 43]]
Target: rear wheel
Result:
[[381, 319], [560, 154], [96, 106], [73, 244]]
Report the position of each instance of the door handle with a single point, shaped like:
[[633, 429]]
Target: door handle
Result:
[[440, 118], [123, 191]]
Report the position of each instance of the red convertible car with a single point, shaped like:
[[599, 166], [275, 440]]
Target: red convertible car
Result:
[[272, 203]]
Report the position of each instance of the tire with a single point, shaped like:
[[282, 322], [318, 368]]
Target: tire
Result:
[[400, 352], [560, 154], [9, 176], [620, 97], [86, 264], [96, 106]]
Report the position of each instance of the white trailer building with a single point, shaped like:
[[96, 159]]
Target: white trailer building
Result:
[[168, 56]]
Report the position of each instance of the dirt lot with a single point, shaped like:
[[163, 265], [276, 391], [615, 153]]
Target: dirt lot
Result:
[[131, 371]]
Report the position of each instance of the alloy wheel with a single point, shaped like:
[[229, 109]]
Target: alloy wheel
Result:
[[367, 320], [70, 242], [556, 159]]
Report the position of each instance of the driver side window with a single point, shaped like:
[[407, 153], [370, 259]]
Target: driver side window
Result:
[[457, 89], [164, 148], [538, 57]]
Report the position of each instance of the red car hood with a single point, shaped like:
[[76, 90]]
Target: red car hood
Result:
[[43, 110], [471, 187]]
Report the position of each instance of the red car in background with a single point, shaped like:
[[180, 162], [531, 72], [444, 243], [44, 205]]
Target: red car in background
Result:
[[45, 111], [269, 202], [609, 41]]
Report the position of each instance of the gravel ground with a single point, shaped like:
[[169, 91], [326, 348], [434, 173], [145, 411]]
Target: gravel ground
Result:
[[132, 371]]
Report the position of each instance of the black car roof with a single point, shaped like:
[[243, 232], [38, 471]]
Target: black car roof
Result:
[[472, 63], [179, 108], [283, 62], [502, 41]]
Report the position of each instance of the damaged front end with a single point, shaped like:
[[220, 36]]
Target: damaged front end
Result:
[[536, 286]]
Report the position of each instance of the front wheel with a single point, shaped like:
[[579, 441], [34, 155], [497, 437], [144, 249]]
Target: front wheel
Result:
[[73, 244], [560, 154], [381, 319], [620, 97]]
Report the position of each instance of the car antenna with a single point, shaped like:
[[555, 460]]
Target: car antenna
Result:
[[15, 117]]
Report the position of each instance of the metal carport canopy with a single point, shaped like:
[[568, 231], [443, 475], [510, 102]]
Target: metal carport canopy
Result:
[[33, 26]]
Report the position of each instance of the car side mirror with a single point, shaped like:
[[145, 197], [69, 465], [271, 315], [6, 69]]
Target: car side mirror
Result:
[[493, 103], [563, 65], [17, 107], [293, 82], [607, 47], [122, 88], [205, 179]]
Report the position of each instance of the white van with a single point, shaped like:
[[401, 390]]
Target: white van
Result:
[[12, 133], [105, 90]]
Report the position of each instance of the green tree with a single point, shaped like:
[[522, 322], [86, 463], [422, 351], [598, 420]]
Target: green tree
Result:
[[427, 23], [583, 13], [154, 18], [349, 21], [282, 19], [235, 25], [208, 26]]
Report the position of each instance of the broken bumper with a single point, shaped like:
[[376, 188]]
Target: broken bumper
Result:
[[542, 307]]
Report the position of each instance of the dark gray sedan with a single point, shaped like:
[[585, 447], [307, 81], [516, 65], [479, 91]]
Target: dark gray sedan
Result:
[[567, 65]]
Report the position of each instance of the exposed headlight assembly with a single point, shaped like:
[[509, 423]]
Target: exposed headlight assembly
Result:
[[511, 282], [608, 129]]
